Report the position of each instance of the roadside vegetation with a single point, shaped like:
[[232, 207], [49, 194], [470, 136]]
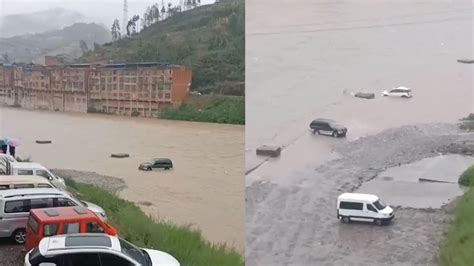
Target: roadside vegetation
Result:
[[229, 110], [467, 123], [458, 246], [187, 246]]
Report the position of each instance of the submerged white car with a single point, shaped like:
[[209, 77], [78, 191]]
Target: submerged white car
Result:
[[403, 92], [363, 207], [94, 250]]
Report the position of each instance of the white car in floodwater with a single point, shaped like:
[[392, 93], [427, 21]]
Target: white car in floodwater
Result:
[[403, 92], [363, 207]]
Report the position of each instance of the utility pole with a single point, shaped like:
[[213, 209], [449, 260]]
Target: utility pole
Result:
[[125, 18]]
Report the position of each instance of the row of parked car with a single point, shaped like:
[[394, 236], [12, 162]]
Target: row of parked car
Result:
[[56, 227]]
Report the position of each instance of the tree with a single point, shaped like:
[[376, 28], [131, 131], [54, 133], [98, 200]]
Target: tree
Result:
[[132, 25], [96, 46], [5, 58], [83, 46], [116, 30]]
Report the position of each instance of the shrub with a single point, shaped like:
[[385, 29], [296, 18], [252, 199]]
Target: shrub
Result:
[[467, 178]]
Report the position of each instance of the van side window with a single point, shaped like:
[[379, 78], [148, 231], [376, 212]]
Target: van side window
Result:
[[71, 228], [43, 173], [23, 186], [16, 206], [45, 186], [93, 227], [33, 224], [351, 205], [371, 208], [3, 187], [42, 203], [25, 172], [50, 229], [65, 202]]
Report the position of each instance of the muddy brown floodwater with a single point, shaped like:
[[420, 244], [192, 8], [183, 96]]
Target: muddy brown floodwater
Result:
[[205, 189]]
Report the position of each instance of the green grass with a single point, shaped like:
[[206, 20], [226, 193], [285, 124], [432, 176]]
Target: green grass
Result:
[[458, 247], [186, 245], [229, 110]]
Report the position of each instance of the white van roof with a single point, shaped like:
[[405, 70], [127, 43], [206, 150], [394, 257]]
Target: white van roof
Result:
[[9, 193], [23, 178], [27, 165], [358, 197]]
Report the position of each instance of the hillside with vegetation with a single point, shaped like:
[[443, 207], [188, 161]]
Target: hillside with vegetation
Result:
[[208, 39]]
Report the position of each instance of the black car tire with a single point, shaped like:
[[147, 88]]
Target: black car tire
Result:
[[345, 219], [334, 134], [379, 222], [167, 168], [19, 236], [149, 169]]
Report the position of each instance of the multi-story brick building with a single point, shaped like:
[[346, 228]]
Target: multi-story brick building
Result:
[[141, 88], [128, 89]]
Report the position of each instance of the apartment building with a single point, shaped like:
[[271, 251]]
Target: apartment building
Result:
[[139, 89]]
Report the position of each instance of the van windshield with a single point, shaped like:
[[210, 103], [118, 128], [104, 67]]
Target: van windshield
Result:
[[379, 205]]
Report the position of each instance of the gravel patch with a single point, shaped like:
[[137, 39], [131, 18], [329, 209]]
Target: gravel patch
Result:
[[297, 225], [109, 183]]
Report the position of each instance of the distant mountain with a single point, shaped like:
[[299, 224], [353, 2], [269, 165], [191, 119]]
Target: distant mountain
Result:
[[37, 22], [33, 47]]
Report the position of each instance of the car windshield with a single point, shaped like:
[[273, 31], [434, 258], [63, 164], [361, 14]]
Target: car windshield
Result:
[[131, 251], [379, 205]]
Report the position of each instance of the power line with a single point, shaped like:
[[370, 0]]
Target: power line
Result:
[[360, 27]]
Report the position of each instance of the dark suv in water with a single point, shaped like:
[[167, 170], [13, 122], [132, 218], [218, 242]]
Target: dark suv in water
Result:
[[327, 127], [156, 163]]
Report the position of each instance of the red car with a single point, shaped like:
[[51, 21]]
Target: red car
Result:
[[64, 220]]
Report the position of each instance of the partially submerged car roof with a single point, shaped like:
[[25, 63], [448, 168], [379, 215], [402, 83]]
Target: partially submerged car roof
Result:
[[164, 160], [402, 88], [324, 120]]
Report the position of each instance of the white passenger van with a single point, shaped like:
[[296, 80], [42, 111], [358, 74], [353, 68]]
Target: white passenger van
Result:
[[363, 207], [27, 168], [24, 181]]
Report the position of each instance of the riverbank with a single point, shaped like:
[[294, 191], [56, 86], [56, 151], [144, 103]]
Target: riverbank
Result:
[[458, 246], [412, 239], [212, 109], [188, 246]]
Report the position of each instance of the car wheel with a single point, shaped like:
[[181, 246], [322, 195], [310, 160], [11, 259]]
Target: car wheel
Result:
[[148, 169], [167, 168], [334, 134], [346, 219], [378, 222], [19, 236]]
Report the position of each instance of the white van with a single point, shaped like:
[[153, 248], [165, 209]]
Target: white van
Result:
[[363, 207], [27, 168], [24, 181]]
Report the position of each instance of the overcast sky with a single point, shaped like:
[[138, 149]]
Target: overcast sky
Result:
[[104, 11]]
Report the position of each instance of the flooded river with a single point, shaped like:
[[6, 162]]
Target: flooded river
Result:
[[322, 50], [205, 189]]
